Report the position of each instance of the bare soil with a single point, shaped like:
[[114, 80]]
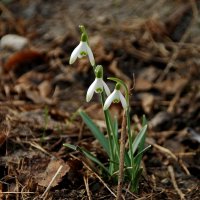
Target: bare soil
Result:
[[152, 45]]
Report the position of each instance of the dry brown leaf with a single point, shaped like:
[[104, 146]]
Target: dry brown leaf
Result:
[[98, 45], [142, 85], [118, 73], [45, 88], [20, 58], [45, 178], [147, 102], [95, 111], [171, 86]]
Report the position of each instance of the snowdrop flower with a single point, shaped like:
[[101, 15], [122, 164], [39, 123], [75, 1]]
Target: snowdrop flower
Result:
[[115, 97], [98, 85], [82, 50]]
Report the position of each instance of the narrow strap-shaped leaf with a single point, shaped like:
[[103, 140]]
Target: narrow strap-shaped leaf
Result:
[[93, 158], [138, 139], [71, 146], [115, 139], [95, 131], [87, 154], [138, 157], [142, 143]]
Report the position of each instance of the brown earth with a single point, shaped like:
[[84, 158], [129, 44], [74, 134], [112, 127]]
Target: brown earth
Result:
[[40, 95]]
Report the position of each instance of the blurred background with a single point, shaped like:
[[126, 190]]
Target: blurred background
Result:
[[152, 45]]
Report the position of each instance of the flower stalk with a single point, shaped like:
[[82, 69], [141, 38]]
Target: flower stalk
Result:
[[122, 154]]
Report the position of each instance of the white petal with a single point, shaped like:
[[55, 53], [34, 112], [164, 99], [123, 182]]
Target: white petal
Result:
[[99, 83], [123, 100], [82, 48], [109, 100], [74, 54], [91, 90], [90, 55], [106, 88]]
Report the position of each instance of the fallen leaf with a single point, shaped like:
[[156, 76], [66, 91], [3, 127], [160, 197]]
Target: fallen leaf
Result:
[[22, 60], [143, 85], [147, 102], [45, 177], [45, 88], [171, 86]]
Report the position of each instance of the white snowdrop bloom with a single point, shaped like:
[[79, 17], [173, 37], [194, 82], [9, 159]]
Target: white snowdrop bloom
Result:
[[115, 97], [97, 86], [80, 51]]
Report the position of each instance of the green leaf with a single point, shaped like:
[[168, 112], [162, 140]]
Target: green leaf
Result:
[[93, 158], [139, 138], [95, 131], [87, 154], [135, 180], [144, 120], [73, 147], [115, 139], [142, 143], [138, 157]]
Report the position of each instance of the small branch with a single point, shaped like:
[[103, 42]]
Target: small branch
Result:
[[85, 178], [171, 172], [52, 180], [121, 164], [95, 174]]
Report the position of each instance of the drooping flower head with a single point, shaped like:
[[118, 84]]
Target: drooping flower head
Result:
[[98, 85], [115, 97], [82, 50]]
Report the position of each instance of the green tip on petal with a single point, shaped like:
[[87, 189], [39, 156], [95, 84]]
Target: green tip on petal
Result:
[[99, 71], [118, 86], [83, 37], [82, 28]]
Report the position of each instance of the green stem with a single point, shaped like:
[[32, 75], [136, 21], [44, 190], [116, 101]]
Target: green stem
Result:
[[109, 130], [130, 141], [129, 132]]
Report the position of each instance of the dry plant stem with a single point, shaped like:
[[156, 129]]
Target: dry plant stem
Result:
[[171, 154], [52, 180], [171, 172], [85, 178], [121, 163], [95, 174]]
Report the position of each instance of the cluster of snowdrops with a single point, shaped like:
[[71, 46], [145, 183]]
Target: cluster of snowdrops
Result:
[[135, 148]]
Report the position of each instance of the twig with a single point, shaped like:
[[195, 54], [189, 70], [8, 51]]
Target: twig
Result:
[[171, 154], [52, 180], [171, 172], [100, 179], [85, 178], [181, 163], [174, 101], [164, 150], [121, 164], [37, 146], [104, 184]]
